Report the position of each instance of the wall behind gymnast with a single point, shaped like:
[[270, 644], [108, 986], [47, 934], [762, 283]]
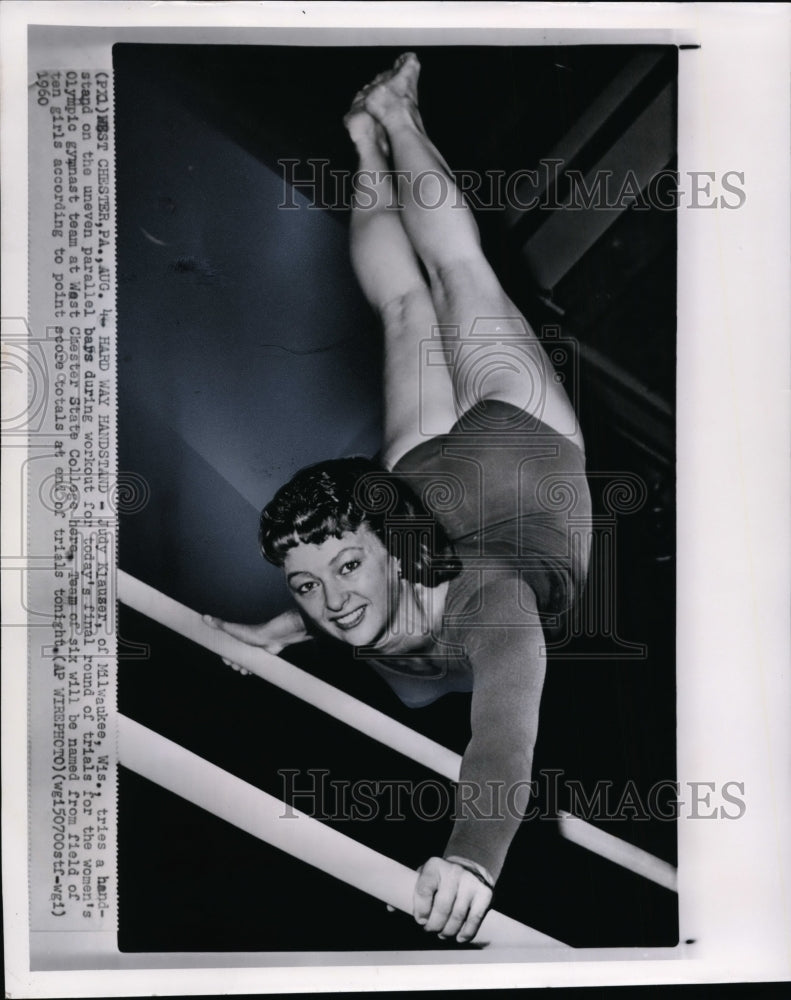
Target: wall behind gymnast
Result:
[[245, 348]]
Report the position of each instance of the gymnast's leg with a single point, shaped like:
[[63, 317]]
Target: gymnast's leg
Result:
[[391, 279], [464, 287]]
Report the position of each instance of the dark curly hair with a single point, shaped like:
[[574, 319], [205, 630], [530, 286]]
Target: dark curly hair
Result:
[[332, 497]]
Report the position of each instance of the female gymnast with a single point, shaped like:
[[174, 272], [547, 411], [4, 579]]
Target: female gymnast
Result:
[[442, 563]]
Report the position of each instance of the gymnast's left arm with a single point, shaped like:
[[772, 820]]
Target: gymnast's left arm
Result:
[[509, 667]]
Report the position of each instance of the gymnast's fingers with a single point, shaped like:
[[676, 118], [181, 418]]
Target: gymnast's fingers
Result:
[[441, 880], [478, 907], [258, 634], [465, 893], [235, 666], [425, 888]]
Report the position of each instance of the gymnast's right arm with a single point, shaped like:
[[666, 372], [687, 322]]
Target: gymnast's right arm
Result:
[[273, 635]]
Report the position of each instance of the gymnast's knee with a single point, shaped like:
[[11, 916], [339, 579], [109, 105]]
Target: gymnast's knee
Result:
[[397, 311], [464, 278]]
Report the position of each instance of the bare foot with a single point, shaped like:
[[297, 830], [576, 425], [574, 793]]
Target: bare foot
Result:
[[394, 91], [364, 130]]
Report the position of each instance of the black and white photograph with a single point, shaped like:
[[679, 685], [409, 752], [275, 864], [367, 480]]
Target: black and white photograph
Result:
[[456, 411], [395, 445]]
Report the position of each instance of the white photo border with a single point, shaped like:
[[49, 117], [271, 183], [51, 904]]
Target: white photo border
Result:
[[734, 687]]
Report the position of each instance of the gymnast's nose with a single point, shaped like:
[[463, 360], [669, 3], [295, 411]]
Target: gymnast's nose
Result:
[[335, 597]]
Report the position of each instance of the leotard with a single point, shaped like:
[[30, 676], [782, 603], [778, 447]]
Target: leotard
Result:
[[512, 496]]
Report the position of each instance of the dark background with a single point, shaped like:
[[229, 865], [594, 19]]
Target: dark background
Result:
[[246, 351]]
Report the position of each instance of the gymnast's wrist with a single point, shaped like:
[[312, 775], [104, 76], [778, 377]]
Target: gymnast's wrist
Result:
[[482, 874]]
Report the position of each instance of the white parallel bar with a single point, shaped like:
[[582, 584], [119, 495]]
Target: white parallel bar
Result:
[[355, 713], [618, 851], [229, 798], [352, 711]]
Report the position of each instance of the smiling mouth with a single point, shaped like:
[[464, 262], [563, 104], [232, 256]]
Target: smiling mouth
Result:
[[350, 620]]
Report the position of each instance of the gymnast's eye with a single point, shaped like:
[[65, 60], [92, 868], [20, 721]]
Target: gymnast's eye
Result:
[[349, 567], [305, 588]]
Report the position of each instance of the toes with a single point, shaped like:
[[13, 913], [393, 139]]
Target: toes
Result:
[[383, 78], [408, 71], [404, 58], [391, 88]]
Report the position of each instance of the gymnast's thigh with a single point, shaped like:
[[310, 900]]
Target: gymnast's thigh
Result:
[[418, 396], [493, 351]]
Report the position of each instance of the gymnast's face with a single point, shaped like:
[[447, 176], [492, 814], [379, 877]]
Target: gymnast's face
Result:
[[347, 586]]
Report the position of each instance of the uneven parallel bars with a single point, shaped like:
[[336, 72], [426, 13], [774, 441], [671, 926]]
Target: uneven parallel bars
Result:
[[619, 851], [355, 713], [140, 597], [224, 795]]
